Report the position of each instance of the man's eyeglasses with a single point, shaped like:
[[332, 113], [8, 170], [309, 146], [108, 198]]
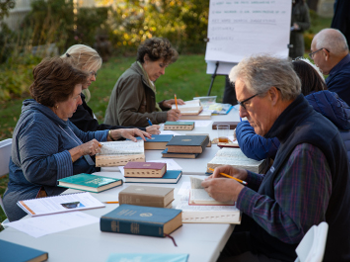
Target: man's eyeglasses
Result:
[[242, 104], [311, 55]]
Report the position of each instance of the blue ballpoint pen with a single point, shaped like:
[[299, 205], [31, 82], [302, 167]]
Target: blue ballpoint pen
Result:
[[149, 121]]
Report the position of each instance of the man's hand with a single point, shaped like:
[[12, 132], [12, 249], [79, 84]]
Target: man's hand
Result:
[[222, 189], [173, 115], [154, 129], [168, 103], [231, 171]]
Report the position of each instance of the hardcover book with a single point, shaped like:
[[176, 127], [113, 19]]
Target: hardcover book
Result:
[[204, 115], [147, 257], [156, 141], [88, 182], [15, 252], [176, 125], [187, 144], [144, 169], [146, 196], [170, 177], [165, 153], [119, 153], [140, 220], [232, 124], [236, 158]]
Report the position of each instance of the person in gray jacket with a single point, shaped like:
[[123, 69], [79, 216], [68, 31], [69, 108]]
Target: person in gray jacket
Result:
[[133, 98]]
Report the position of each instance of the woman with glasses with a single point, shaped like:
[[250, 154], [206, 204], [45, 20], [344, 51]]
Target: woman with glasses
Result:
[[87, 59], [323, 101]]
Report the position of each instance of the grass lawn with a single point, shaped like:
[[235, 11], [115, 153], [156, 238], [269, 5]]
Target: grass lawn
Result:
[[186, 78]]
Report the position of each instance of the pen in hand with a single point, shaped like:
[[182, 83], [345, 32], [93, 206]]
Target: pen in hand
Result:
[[223, 174], [149, 121], [176, 102]]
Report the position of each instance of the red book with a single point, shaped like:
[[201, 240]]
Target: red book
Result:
[[144, 169]]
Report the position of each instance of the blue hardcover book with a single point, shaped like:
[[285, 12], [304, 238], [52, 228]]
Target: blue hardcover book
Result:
[[14, 252], [156, 141], [170, 177], [142, 220], [165, 153], [147, 257], [88, 182]]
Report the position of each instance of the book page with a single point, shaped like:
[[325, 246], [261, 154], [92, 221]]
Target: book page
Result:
[[196, 183], [122, 147], [59, 204]]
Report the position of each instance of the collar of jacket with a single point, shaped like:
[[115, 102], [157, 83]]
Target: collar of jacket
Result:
[[135, 67]]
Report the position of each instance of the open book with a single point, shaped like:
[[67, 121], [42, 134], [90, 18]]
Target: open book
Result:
[[236, 158], [198, 196], [190, 108], [59, 204], [119, 153]]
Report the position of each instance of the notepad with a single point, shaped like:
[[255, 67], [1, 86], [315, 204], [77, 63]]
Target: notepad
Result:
[[59, 204]]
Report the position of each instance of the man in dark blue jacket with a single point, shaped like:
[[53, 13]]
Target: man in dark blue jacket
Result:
[[330, 51]]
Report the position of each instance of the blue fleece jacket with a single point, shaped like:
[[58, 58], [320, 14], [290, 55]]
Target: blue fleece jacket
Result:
[[324, 102], [40, 156]]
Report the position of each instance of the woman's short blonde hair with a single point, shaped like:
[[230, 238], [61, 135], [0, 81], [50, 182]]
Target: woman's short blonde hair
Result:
[[83, 57]]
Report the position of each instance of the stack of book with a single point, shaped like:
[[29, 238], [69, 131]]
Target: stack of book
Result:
[[186, 146], [147, 196], [150, 172], [119, 153], [236, 158]]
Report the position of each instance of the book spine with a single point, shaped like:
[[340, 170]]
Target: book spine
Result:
[[131, 227]]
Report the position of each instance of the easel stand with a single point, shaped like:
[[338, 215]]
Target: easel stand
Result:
[[213, 77]]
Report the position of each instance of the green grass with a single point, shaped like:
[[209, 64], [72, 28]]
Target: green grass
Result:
[[186, 77]]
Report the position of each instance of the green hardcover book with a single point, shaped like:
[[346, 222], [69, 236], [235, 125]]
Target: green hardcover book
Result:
[[140, 220], [14, 252], [91, 183], [171, 125], [187, 144]]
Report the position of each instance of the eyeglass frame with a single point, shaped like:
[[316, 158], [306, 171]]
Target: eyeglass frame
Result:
[[246, 100], [314, 52]]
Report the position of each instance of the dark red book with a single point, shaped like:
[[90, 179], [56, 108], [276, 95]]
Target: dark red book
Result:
[[144, 169]]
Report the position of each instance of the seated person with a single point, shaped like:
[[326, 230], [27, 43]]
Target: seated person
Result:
[[308, 182], [87, 59], [133, 98], [325, 102], [46, 145], [330, 52]]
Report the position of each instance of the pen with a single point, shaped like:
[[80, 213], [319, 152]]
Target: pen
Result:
[[176, 102], [223, 174], [111, 202], [149, 121]]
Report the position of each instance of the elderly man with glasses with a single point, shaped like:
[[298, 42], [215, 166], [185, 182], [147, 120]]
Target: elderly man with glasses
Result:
[[330, 52], [308, 182]]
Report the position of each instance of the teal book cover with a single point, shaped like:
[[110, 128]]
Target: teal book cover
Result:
[[14, 252], [157, 138], [201, 141], [170, 177], [141, 220], [88, 182], [147, 257]]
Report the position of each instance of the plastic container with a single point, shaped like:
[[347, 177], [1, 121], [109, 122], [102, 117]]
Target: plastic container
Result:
[[206, 99]]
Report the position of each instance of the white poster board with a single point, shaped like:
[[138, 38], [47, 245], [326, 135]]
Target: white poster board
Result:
[[238, 29]]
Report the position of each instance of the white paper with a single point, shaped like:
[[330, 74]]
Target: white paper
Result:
[[199, 123], [40, 226], [170, 163], [237, 29], [167, 132]]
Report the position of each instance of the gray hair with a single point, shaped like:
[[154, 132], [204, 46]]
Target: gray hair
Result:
[[260, 73], [83, 57], [331, 39]]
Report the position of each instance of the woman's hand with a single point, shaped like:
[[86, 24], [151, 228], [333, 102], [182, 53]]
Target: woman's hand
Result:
[[154, 129], [128, 134], [168, 103], [89, 148], [173, 115]]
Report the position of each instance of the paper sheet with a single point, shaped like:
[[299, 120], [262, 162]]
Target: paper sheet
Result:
[[40, 226]]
